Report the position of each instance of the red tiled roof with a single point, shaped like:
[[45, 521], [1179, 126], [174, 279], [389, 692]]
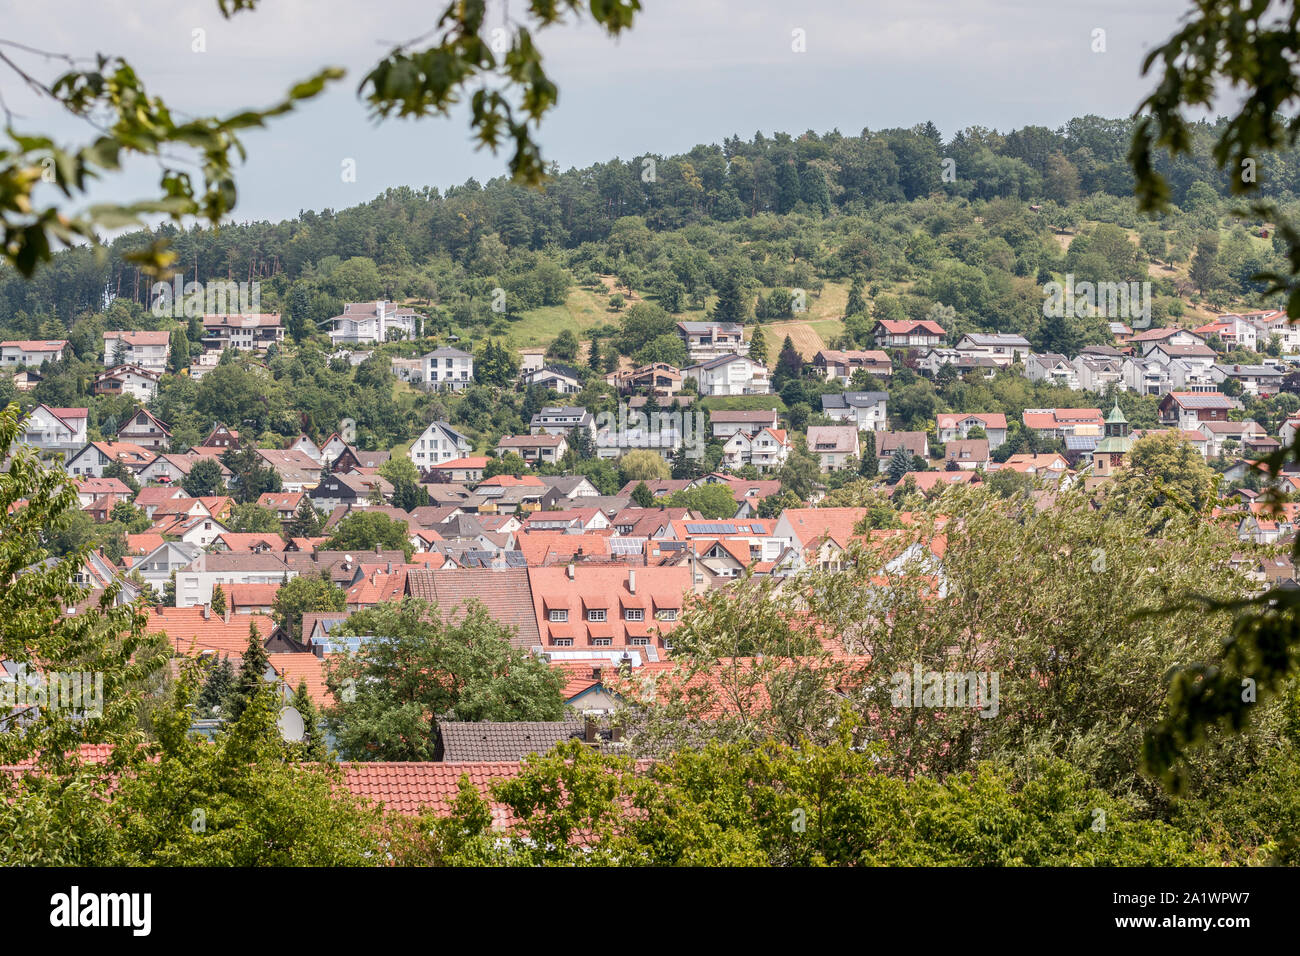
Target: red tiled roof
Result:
[[190, 633], [411, 787]]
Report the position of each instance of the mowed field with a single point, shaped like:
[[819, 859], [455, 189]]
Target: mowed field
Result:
[[585, 309]]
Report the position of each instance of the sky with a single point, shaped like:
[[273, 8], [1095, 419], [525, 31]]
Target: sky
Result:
[[689, 71]]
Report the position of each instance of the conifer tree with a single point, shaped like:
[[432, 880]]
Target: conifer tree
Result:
[[218, 600], [252, 672], [870, 463]]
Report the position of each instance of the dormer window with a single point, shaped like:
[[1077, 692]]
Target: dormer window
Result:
[[558, 616], [596, 615]]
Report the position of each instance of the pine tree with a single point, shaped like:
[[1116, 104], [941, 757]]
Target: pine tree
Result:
[[642, 495], [593, 357], [313, 748], [217, 686], [856, 305], [790, 363], [306, 521], [731, 306], [218, 600], [758, 345], [870, 463], [900, 463], [252, 673]]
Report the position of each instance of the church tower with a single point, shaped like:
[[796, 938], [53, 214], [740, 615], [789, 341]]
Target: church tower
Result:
[[1110, 451]]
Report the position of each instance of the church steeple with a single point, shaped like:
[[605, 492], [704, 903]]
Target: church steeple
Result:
[[1116, 424]]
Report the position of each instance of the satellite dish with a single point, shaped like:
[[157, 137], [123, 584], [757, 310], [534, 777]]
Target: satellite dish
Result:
[[290, 725]]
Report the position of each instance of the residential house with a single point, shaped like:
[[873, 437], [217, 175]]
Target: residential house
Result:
[[588, 607], [866, 410], [833, 445], [1147, 376], [137, 382], [363, 323], [706, 341], [1097, 373], [1188, 409], [351, 490], [147, 350], [438, 443], [469, 468], [223, 437], [297, 471], [55, 429], [1065, 422], [967, 455], [448, 369], [766, 450], [917, 444], [28, 353], [145, 430], [952, 426], [1145, 340], [98, 455], [658, 379], [1224, 437], [284, 503], [932, 360], [839, 365], [1054, 368], [890, 334], [534, 449], [194, 584], [1004, 349], [1261, 380], [166, 469], [730, 375], [158, 565], [562, 420], [563, 379], [727, 422], [254, 332]]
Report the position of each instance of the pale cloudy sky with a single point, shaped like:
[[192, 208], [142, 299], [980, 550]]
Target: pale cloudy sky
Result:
[[690, 71]]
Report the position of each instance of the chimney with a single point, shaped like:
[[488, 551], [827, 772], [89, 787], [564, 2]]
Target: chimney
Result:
[[570, 571], [229, 602], [631, 580], [207, 611], [595, 672], [390, 567], [590, 732]]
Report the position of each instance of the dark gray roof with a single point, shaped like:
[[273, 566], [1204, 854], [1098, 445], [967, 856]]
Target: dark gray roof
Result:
[[491, 741], [856, 399]]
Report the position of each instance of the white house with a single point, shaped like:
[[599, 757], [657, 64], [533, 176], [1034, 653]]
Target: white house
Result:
[[252, 332], [145, 349], [134, 380], [867, 410], [447, 368], [363, 323], [29, 353], [730, 375], [157, 566], [1004, 349], [194, 584], [439, 443], [55, 429], [952, 426], [766, 450], [1052, 367], [706, 341], [558, 378]]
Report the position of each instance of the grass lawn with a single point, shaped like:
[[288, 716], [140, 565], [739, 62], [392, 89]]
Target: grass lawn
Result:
[[743, 403]]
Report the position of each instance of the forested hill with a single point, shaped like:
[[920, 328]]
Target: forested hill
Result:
[[971, 226]]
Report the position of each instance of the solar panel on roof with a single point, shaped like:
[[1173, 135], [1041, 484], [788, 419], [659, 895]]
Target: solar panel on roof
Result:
[[710, 528]]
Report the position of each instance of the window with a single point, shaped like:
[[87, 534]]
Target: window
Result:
[[562, 641], [634, 614], [666, 614], [596, 614], [559, 617], [640, 642], [602, 641]]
